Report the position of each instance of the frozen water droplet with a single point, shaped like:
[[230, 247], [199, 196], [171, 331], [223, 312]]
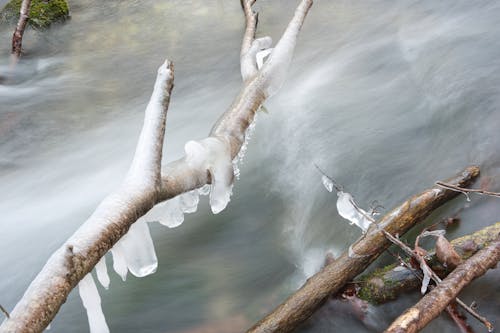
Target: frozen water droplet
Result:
[[92, 303]]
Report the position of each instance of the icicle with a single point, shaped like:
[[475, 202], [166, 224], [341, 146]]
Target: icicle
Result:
[[102, 272], [138, 250], [214, 155], [189, 201], [348, 209], [327, 183], [92, 303], [119, 263]]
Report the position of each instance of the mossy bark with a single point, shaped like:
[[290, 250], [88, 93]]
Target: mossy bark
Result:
[[41, 15], [386, 284]]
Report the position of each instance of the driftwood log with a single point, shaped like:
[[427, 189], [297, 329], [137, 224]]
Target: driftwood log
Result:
[[386, 284], [146, 183], [432, 304], [302, 304]]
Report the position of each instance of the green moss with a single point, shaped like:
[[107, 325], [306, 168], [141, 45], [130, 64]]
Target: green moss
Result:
[[42, 12]]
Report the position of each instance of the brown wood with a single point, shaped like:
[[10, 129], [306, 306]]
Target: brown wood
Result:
[[302, 304], [432, 304], [387, 284], [17, 37]]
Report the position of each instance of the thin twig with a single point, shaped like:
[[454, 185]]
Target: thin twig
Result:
[[436, 278], [466, 190], [4, 311]]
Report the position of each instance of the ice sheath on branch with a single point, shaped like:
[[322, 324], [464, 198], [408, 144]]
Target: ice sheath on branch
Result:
[[145, 185], [433, 303], [302, 304]]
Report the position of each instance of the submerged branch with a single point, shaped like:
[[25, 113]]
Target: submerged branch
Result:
[[302, 304], [432, 304]]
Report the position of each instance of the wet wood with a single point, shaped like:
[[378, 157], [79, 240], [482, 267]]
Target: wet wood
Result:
[[388, 283], [432, 304], [302, 304], [17, 37]]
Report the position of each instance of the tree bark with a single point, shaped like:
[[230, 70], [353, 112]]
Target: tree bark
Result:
[[432, 304], [145, 185], [17, 37], [386, 284], [302, 304]]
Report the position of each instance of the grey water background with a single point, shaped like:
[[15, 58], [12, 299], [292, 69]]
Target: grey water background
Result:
[[387, 96]]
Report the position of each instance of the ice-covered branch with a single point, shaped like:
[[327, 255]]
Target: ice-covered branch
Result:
[[208, 161], [110, 221]]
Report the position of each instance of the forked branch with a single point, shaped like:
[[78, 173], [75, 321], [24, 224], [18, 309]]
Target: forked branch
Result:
[[145, 185]]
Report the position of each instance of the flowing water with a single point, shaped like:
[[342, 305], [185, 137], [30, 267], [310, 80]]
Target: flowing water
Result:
[[386, 96]]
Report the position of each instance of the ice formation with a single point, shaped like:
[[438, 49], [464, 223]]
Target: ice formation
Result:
[[260, 56], [119, 263], [135, 252], [92, 303], [241, 154], [348, 209], [213, 154], [327, 183], [102, 272]]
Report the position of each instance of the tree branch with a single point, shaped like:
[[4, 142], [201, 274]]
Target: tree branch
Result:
[[142, 189], [432, 304], [17, 37], [110, 221], [302, 304], [427, 270], [384, 285]]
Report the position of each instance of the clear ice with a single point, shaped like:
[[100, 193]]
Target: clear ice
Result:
[[135, 252], [138, 250], [92, 303], [348, 209], [213, 154]]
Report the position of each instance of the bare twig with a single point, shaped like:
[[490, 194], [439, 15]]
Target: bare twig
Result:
[[421, 260], [433, 303], [17, 37], [5, 312], [467, 190]]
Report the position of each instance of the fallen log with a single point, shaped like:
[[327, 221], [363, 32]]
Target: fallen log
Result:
[[432, 304], [302, 304], [386, 284]]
